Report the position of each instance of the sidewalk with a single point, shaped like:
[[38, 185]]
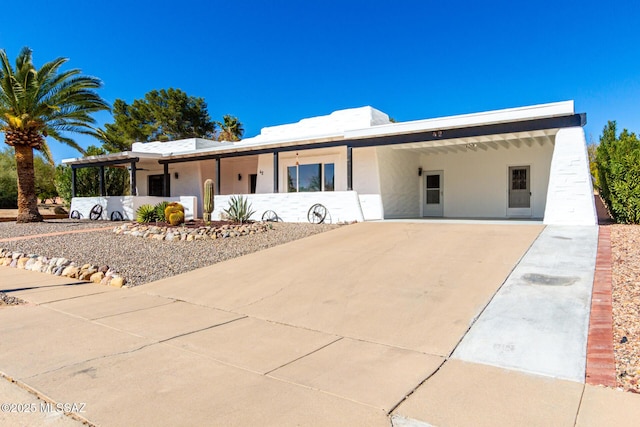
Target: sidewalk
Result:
[[278, 338]]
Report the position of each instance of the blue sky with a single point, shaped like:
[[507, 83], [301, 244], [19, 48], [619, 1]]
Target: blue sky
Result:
[[273, 61]]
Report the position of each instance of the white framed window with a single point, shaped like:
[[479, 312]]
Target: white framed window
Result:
[[311, 177]]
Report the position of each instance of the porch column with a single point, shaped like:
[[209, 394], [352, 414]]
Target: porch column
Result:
[[102, 192], [73, 181], [349, 168], [165, 182], [217, 175], [132, 181], [275, 172]]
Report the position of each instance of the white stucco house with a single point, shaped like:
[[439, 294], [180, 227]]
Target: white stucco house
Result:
[[528, 162]]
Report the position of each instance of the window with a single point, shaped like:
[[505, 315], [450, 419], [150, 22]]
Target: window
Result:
[[155, 185], [311, 177]]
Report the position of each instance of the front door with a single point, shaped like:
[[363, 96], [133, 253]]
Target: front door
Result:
[[433, 197], [519, 191]]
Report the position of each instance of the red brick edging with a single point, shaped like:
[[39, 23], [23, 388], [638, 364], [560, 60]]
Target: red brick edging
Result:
[[601, 365]]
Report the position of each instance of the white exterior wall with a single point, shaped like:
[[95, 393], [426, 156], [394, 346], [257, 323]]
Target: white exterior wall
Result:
[[265, 179], [366, 182], [399, 183], [337, 156], [127, 205], [343, 206], [476, 183], [570, 197], [229, 170]]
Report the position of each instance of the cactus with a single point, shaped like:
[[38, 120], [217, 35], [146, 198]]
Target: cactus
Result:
[[207, 201], [176, 218], [171, 210], [159, 209]]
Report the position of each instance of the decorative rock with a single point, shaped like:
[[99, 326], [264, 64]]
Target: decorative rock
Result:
[[116, 281], [97, 277], [22, 262], [70, 271]]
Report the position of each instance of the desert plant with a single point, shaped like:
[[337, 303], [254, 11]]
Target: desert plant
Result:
[[239, 209], [174, 213], [176, 218], [145, 214], [207, 200], [159, 209]]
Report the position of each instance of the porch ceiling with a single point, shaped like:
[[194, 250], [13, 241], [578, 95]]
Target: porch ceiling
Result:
[[506, 141]]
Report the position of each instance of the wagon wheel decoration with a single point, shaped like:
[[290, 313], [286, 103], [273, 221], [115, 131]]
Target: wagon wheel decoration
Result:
[[96, 212], [116, 216], [75, 215], [270, 216], [317, 213]]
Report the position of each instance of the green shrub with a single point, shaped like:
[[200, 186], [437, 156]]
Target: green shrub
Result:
[[239, 209], [159, 209], [145, 214], [618, 159]]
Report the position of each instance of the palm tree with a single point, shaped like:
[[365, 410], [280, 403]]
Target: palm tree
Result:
[[35, 104], [230, 129]]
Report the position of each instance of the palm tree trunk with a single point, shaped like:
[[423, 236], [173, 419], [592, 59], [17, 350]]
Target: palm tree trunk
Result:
[[27, 201]]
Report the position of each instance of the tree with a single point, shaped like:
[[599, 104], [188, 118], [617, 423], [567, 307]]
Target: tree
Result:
[[44, 179], [88, 179], [618, 158], [230, 129], [164, 115], [8, 176], [35, 104]]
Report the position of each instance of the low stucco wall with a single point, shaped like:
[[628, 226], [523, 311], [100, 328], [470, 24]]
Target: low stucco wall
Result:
[[293, 207], [127, 205]]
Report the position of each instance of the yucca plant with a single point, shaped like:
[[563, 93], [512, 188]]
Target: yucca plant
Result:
[[239, 209], [146, 213], [159, 209]]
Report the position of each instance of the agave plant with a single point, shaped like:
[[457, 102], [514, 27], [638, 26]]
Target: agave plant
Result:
[[146, 213], [239, 209], [159, 209]]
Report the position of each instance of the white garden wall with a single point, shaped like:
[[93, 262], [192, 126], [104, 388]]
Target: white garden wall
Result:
[[127, 205], [293, 207]]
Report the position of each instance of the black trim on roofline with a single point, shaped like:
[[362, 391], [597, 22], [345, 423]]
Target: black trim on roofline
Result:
[[574, 120]]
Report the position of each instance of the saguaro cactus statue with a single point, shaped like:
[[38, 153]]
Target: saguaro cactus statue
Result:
[[207, 202]]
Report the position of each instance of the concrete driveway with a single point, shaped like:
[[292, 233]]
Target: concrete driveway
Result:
[[335, 329]]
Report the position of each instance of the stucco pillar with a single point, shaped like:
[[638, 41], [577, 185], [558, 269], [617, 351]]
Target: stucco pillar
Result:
[[165, 182], [570, 193]]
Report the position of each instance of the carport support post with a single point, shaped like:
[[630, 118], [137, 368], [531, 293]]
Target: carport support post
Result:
[[217, 175], [133, 182], [102, 192], [165, 181], [275, 171], [73, 182], [349, 168]]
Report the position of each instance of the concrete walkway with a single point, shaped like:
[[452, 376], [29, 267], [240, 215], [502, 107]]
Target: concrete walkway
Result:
[[342, 328]]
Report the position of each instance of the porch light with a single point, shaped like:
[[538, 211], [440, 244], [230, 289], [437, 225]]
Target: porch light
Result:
[[419, 171], [239, 177], [175, 175], [261, 172]]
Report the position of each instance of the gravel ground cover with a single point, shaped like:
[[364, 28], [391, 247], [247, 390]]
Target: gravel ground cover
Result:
[[625, 253], [144, 260], [12, 229]]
